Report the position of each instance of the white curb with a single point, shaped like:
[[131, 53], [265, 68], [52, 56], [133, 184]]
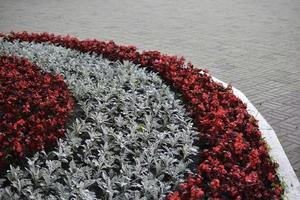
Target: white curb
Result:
[[285, 169]]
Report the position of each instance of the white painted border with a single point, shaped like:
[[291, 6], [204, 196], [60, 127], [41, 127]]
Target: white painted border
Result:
[[285, 169]]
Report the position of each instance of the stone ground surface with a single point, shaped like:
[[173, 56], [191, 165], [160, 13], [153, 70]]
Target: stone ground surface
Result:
[[255, 44]]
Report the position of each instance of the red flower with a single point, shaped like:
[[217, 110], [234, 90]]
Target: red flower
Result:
[[47, 78], [271, 176], [278, 190], [18, 148], [215, 184], [196, 193], [239, 144], [252, 177], [174, 196], [26, 107], [221, 112], [254, 158]]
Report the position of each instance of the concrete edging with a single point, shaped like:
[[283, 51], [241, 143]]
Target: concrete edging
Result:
[[285, 169]]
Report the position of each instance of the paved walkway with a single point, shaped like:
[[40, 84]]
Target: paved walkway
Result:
[[253, 44]]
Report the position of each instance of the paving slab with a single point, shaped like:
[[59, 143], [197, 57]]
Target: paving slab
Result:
[[255, 45]]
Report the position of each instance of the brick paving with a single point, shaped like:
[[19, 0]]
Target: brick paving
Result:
[[253, 44]]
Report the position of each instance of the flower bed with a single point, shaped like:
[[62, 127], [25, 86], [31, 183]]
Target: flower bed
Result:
[[233, 160], [129, 133]]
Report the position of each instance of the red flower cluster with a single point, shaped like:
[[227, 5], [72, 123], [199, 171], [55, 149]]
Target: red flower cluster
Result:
[[34, 107], [234, 160]]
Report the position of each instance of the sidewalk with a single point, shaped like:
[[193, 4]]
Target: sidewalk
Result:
[[255, 45]]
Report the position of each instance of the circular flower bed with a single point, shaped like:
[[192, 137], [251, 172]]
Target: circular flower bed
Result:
[[131, 139]]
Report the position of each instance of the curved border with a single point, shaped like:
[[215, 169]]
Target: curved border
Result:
[[285, 169]]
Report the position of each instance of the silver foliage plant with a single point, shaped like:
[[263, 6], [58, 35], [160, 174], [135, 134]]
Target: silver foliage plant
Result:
[[130, 138]]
